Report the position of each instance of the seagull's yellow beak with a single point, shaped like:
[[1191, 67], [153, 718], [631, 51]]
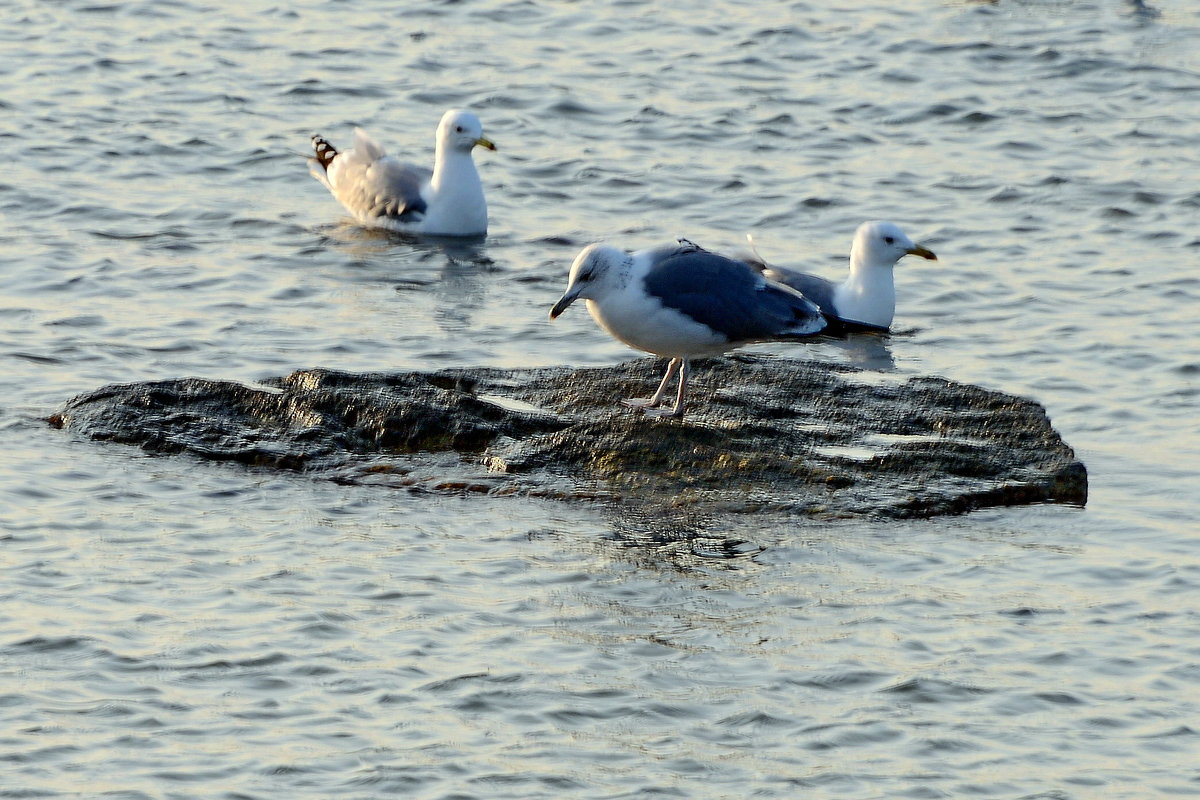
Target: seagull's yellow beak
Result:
[[923, 252], [485, 143]]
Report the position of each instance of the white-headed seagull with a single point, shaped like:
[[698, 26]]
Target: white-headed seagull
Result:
[[680, 302], [383, 192]]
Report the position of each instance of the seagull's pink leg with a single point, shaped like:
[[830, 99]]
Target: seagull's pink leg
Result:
[[653, 402]]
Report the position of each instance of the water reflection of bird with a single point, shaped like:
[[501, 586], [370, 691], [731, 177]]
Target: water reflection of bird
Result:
[[1139, 9]]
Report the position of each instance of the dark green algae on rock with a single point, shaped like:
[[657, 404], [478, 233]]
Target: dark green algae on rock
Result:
[[761, 434]]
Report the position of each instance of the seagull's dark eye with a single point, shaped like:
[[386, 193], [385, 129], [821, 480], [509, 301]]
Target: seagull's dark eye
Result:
[[459, 129], [889, 239]]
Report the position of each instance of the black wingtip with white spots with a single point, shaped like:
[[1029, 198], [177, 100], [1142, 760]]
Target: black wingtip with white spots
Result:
[[325, 151]]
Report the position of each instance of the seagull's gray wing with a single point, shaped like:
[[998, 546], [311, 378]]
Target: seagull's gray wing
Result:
[[820, 291], [728, 296], [392, 189], [370, 183]]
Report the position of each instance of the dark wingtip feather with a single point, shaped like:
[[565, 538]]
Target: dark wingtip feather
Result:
[[325, 151]]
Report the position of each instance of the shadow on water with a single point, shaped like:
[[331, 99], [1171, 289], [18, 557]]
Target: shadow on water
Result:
[[682, 539]]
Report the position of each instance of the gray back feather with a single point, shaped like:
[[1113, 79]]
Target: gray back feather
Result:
[[815, 288], [398, 191], [728, 296], [820, 291]]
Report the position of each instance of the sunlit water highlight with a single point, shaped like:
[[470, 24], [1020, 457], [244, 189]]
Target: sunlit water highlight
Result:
[[172, 628]]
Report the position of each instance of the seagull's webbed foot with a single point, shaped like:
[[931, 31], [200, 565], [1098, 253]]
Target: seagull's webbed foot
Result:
[[648, 407], [665, 413]]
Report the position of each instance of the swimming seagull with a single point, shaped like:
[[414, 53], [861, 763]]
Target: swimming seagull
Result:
[[866, 301], [681, 301], [381, 191]]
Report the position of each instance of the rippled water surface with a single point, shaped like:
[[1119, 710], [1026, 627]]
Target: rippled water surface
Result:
[[177, 629]]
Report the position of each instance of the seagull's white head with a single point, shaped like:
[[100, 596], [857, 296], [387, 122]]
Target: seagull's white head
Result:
[[462, 131], [596, 269], [879, 245]]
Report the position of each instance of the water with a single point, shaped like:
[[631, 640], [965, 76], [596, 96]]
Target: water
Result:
[[176, 629]]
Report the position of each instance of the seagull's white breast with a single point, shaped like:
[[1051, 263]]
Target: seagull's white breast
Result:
[[869, 297], [641, 321]]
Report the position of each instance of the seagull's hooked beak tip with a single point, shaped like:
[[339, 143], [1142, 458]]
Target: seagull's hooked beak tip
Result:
[[560, 307], [485, 144], [923, 252], [562, 304]]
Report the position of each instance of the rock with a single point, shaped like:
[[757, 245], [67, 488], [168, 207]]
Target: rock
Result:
[[762, 434]]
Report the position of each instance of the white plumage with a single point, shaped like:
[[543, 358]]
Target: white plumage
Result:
[[382, 191], [866, 300]]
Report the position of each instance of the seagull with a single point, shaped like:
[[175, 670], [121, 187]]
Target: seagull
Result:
[[866, 301], [383, 192], [681, 301]]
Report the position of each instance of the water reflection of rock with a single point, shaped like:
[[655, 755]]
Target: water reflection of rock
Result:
[[764, 434]]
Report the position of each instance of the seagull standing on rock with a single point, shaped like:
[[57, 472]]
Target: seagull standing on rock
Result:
[[681, 301], [866, 301], [384, 192]]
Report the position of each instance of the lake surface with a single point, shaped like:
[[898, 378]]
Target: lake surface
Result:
[[171, 628]]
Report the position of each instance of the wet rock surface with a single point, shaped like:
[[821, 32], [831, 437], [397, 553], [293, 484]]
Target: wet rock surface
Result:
[[761, 434]]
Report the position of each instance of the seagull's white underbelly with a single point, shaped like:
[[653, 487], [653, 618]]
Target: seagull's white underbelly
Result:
[[642, 322]]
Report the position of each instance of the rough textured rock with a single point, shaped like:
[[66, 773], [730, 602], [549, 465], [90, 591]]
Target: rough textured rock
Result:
[[761, 434]]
